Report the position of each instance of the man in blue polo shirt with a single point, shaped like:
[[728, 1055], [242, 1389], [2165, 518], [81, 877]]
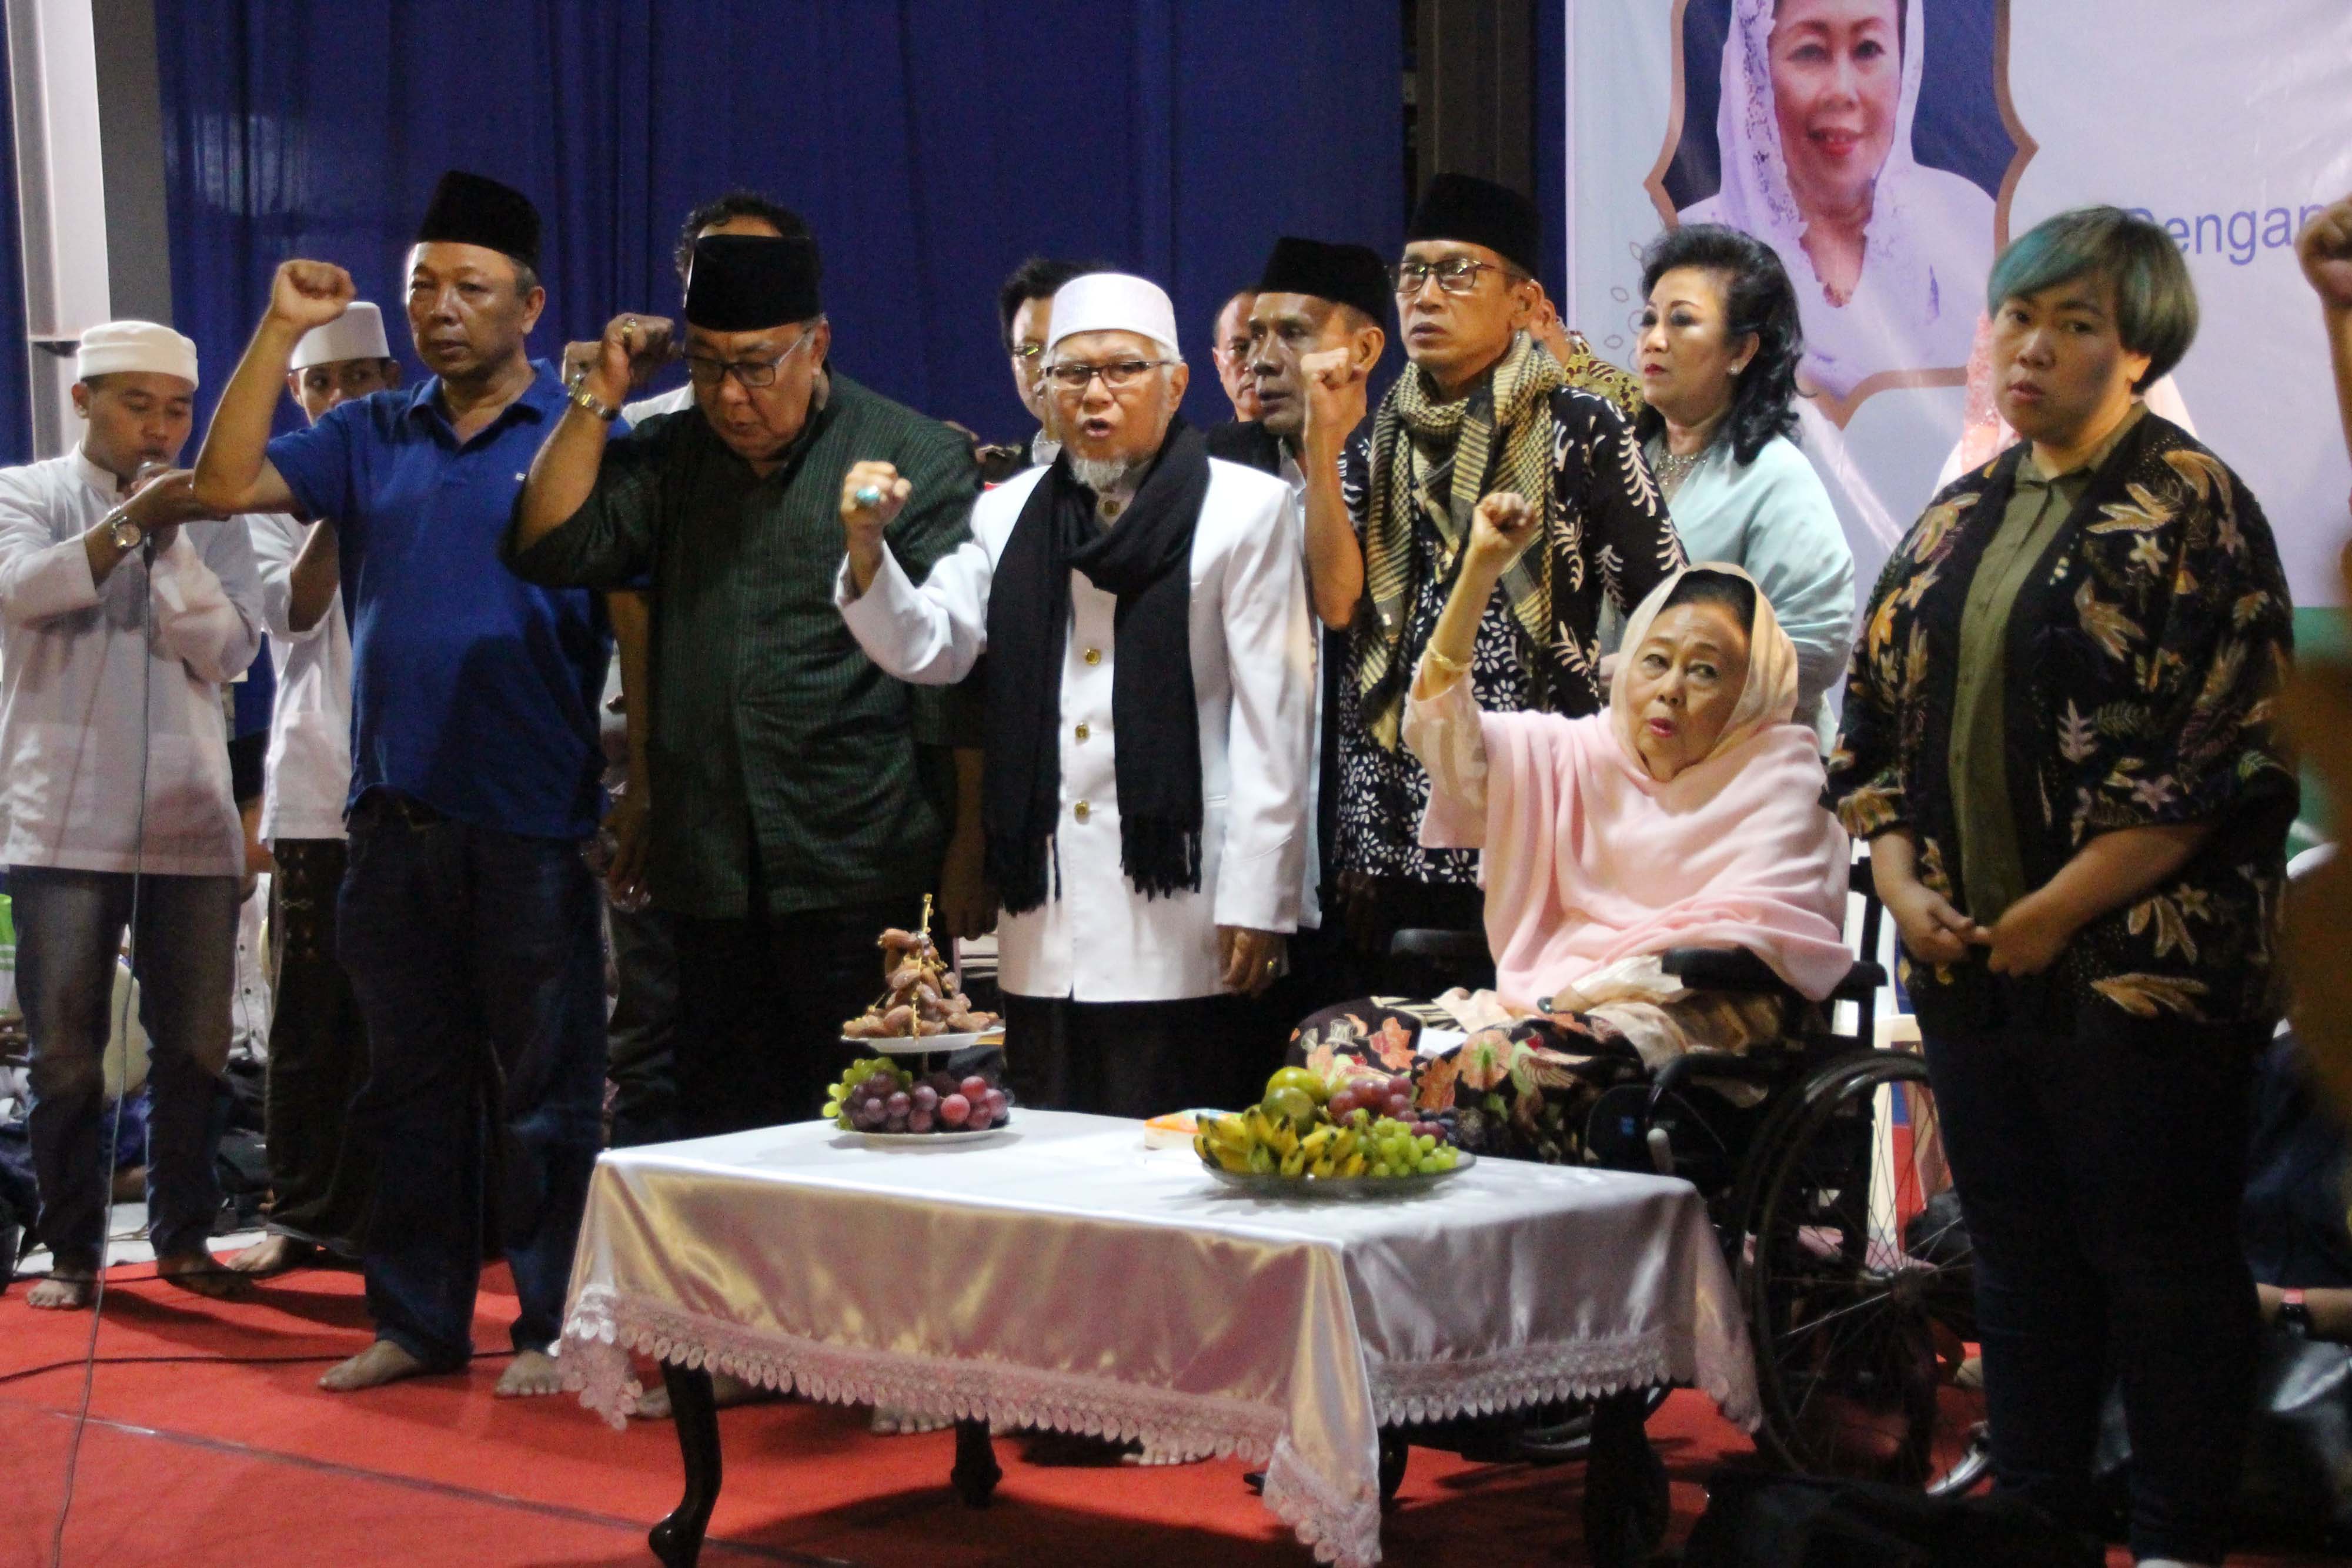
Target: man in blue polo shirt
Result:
[[467, 919]]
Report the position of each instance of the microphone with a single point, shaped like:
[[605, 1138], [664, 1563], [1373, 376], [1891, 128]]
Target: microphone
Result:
[[143, 473]]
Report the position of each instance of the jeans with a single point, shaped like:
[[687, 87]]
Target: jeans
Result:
[[321, 1182], [2100, 1174], [761, 1005], [478, 963], [641, 1037], [69, 926]]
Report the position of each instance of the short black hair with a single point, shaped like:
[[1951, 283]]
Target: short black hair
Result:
[[738, 202], [1703, 585], [1039, 278], [1758, 297], [2155, 302]]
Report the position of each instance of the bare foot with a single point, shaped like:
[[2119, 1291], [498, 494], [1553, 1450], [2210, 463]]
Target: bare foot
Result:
[[272, 1254], [530, 1373], [727, 1391], [888, 1422], [66, 1290], [201, 1272], [381, 1362]]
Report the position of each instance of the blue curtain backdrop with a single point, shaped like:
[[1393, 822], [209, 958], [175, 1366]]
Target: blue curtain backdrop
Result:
[[932, 143], [15, 380]]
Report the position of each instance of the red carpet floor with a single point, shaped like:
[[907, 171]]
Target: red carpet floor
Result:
[[207, 1444]]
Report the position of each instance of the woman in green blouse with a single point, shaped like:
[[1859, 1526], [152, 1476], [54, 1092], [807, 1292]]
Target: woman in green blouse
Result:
[[2058, 738]]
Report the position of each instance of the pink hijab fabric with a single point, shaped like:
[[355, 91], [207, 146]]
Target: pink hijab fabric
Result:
[[1589, 861]]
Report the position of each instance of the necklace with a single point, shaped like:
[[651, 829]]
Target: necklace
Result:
[[1672, 468]]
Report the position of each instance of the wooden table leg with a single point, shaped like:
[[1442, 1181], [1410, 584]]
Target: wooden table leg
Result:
[[677, 1540], [976, 1472], [1626, 1502]]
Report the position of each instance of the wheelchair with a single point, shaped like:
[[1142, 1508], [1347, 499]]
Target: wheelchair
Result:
[[1819, 1157]]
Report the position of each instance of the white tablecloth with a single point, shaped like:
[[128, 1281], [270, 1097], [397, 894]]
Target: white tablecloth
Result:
[[1061, 1276]]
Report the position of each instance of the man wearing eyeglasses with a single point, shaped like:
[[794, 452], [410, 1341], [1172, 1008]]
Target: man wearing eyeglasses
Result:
[[1481, 409], [1024, 310], [1149, 694], [465, 921], [803, 799]]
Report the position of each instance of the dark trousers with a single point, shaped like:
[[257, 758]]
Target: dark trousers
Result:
[[761, 1005], [2100, 1175], [478, 963], [69, 926], [641, 1036], [1397, 905], [1121, 1059], [321, 1180]]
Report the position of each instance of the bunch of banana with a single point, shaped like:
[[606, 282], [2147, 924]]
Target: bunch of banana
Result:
[[1331, 1152], [1252, 1141]]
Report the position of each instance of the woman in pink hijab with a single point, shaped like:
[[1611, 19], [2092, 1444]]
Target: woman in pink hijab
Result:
[[1688, 814]]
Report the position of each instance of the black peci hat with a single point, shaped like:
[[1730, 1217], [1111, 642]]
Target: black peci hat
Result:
[[1479, 211], [745, 283], [1342, 274], [469, 209]]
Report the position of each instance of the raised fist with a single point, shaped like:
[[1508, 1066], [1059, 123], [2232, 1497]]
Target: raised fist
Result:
[[307, 294]]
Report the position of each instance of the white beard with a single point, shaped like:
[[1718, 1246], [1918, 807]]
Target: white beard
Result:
[[1103, 476]]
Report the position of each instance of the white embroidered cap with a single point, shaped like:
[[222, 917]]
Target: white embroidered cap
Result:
[[356, 334], [1115, 302], [116, 347]]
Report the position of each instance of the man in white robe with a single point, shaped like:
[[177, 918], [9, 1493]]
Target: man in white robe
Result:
[[1146, 814], [126, 610]]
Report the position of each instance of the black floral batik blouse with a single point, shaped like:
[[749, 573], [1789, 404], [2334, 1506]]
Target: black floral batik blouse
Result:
[[2142, 661]]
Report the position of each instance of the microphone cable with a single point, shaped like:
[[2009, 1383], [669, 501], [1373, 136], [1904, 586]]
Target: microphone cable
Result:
[[122, 1038]]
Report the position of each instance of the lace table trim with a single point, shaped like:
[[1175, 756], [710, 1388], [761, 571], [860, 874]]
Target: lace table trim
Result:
[[607, 1326], [1340, 1522], [1524, 1375]]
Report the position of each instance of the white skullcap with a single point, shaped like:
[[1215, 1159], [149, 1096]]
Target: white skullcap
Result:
[[356, 334], [119, 345], [1115, 302]]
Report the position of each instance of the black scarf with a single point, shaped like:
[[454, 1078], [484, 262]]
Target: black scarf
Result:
[[1146, 560]]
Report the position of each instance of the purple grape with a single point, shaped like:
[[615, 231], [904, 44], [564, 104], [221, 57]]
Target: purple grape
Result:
[[881, 1084], [899, 1103], [926, 1098], [997, 1105], [896, 1123], [980, 1118], [1006, 1093], [955, 1110], [869, 1114], [918, 1119]]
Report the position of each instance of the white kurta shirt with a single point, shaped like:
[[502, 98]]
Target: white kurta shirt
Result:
[[76, 670], [308, 774], [1095, 939]]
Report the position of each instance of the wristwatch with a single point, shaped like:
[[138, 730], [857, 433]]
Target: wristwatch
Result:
[[580, 397], [2294, 1314], [127, 535]]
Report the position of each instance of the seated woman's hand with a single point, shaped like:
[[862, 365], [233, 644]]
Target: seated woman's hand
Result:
[[1501, 529]]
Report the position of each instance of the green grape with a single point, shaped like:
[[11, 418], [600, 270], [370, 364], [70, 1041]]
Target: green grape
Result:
[[1426, 1143]]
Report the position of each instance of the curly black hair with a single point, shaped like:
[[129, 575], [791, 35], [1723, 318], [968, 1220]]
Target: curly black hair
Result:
[[1039, 278], [736, 204], [1758, 297]]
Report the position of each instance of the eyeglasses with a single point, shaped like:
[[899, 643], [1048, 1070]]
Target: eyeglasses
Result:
[[706, 372], [1457, 274], [1029, 351], [1118, 375]]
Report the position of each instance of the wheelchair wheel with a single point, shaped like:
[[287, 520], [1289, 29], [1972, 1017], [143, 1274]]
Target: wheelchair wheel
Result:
[[1859, 1300]]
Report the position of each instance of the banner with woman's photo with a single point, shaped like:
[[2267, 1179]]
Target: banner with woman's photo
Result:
[[1886, 149]]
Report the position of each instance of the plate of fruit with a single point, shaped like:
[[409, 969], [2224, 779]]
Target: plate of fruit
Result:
[[882, 1103], [922, 1009], [1309, 1137]]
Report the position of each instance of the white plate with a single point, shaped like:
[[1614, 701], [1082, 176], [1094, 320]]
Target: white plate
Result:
[[909, 1139], [925, 1045]]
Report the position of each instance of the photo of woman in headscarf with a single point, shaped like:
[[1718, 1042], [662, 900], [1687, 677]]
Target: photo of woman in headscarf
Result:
[[1814, 134]]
